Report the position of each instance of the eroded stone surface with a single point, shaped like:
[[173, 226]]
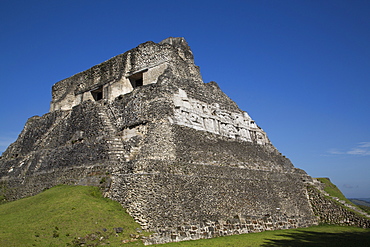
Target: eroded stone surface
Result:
[[178, 153], [202, 116], [120, 75]]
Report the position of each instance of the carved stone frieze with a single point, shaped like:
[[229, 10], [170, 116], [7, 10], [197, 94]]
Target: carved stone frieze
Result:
[[209, 117]]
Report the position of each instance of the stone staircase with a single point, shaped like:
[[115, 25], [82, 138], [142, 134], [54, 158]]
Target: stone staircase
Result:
[[116, 149]]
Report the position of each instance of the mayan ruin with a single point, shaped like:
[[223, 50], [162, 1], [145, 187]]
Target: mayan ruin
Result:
[[177, 152]]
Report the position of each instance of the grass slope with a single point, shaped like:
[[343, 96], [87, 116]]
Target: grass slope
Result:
[[64, 216], [364, 205]]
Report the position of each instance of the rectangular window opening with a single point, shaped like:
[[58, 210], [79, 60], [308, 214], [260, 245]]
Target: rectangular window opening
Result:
[[97, 94], [136, 80]]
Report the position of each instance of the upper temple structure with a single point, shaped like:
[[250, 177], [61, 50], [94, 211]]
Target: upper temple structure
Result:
[[178, 153], [143, 66], [123, 73]]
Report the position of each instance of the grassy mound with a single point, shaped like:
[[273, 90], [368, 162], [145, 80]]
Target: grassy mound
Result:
[[66, 216]]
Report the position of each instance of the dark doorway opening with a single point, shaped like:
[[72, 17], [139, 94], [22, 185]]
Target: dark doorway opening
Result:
[[97, 94], [136, 80]]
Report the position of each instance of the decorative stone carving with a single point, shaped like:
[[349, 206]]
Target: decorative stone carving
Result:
[[209, 117]]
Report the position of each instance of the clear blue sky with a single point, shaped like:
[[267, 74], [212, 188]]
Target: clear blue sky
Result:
[[301, 69]]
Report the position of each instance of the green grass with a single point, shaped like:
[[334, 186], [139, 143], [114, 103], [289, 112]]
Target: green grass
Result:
[[365, 208], [72, 215], [61, 215]]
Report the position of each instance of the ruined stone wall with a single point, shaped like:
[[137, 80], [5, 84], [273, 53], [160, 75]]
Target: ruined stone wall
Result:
[[171, 198], [236, 225], [331, 212], [53, 148], [207, 148], [179, 154], [176, 180], [209, 93], [112, 77]]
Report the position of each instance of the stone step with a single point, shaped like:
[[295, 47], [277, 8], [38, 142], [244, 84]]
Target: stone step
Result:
[[116, 152], [114, 142]]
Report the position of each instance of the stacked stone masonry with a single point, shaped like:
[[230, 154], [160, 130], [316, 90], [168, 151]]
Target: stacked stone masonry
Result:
[[178, 153], [332, 212]]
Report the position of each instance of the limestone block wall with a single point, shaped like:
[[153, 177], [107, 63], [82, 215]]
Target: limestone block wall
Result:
[[233, 226], [208, 148], [54, 147], [117, 76], [183, 201], [152, 74], [330, 212]]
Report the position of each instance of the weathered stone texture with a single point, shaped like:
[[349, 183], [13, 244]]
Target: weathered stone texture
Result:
[[115, 76], [331, 212], [178, 153], [235, 225]]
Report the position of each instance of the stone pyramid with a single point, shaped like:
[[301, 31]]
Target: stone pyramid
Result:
[[178, 153]]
